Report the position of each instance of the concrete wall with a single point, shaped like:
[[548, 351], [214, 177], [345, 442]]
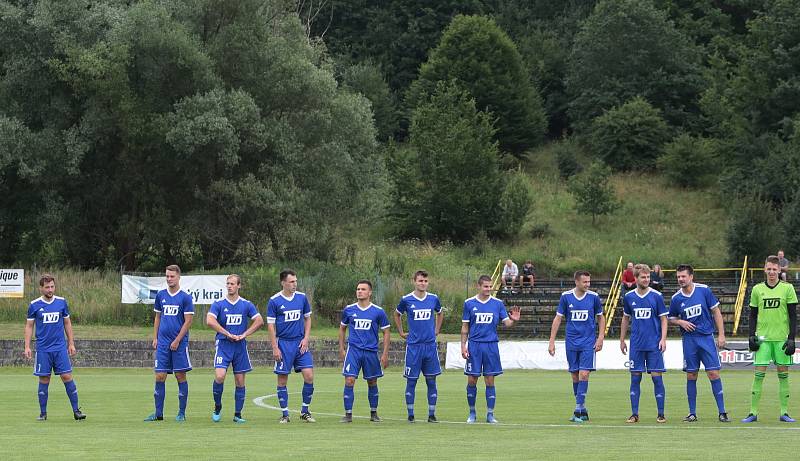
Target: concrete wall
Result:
[[139, 353]]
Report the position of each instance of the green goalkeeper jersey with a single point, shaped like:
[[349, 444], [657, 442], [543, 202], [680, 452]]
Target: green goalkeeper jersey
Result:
[[773, 313]]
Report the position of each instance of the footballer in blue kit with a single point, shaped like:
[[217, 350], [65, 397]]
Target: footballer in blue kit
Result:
[[174, 310], [481, 316], [695, 309], [49, 315], [230, 318], [583, 312], [424, 313], [645, 312], [289, 326], [363, 321]]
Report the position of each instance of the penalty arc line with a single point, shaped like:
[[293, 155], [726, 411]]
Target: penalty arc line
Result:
[[261, 402]]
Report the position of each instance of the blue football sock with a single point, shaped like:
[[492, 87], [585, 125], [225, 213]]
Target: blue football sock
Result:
[[574, 388], [372, 396], [158, 395], [636, 390], [472, 393], [72, 393], [491, 398], [308, 392], [580, 397], [432, 395], [238, 396], [348, 397], [660, 393], [43, 391], [183, 396], [283, 399], [716, 388], [217, 389], [411, 386], [691, 395]]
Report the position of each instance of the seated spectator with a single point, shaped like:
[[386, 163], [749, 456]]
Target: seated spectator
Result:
[[657, 278], [528, 276], [628, 279], [510, 274], [784, 263]]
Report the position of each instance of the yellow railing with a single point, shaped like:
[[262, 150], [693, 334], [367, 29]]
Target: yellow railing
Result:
[[613, 295], [496, 276], [740, 297]]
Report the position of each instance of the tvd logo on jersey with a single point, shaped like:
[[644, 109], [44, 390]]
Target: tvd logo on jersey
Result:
[[483, 317], [642, 314], [170, 310], [422, 314], [50, 317], [291, 316], [233, 319], [579, 316], [362, 324]]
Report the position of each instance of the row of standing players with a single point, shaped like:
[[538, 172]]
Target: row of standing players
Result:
[[693, 308]]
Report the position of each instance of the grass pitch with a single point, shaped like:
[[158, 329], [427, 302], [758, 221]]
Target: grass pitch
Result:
[[533, 407]]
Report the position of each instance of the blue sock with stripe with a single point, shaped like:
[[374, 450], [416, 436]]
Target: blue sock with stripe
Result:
[[691, 395], [283, 399], [432, 395], [372, 396], [308, 392], [716, 388], [239, 395], [43, 392], [580, 397], [472, 393], [348, 397], [217, 390], [491, 398], [660, 393], [411, 386], [158, 395], [636, 391], [183, 396], [72, 393]]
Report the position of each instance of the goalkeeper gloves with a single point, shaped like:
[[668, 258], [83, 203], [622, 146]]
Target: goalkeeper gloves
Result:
[[752, 343], [788, 346]]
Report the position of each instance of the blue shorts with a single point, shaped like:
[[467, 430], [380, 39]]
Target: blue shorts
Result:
[[232, 353], [422, 357], [484, 359], [57, 361], [292, 358], [169, 361], [698, 349], [360, 359], [647, 361], [580, 359]]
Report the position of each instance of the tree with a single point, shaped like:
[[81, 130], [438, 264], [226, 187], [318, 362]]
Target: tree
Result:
[[753, 229], [689, 161], [628, 48], [594, 194], [447, 184], [629, 137], [478, 55]]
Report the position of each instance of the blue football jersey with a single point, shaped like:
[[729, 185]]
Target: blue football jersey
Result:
[[287, 315], [581, 317], [172, 309], [363, 325], [49, 322], [233, 316], [696, 308], [645, 314], [421, 317], [483, 318]]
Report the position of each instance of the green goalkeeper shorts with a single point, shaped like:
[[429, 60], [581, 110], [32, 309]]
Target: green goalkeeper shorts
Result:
[[771, 351]]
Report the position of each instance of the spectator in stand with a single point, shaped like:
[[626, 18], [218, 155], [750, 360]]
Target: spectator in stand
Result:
[[657, 278], [528, 276], [784, 264], [628, 279], [510, 274]]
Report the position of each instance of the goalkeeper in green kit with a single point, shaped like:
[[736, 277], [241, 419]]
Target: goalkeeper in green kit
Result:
[[773, 322]]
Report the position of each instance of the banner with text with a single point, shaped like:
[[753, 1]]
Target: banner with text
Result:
[[205, 289], [12, 283], [534, 355]]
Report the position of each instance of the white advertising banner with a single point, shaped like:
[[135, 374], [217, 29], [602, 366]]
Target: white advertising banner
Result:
[[205, 289], [12, 283], [533, 355]]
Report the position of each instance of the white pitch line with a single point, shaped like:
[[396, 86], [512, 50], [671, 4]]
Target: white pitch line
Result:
[[260, 401]]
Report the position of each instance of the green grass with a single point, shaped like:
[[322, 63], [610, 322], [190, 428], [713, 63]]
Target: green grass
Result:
[[533, 407]]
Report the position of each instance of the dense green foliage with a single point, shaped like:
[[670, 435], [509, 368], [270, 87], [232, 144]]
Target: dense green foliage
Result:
[[689, 161]]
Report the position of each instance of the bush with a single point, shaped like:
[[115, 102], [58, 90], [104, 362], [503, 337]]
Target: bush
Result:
[[593, 191], [566, 153], [629, 137], [514, 205], [689, 161], [753, 229]]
